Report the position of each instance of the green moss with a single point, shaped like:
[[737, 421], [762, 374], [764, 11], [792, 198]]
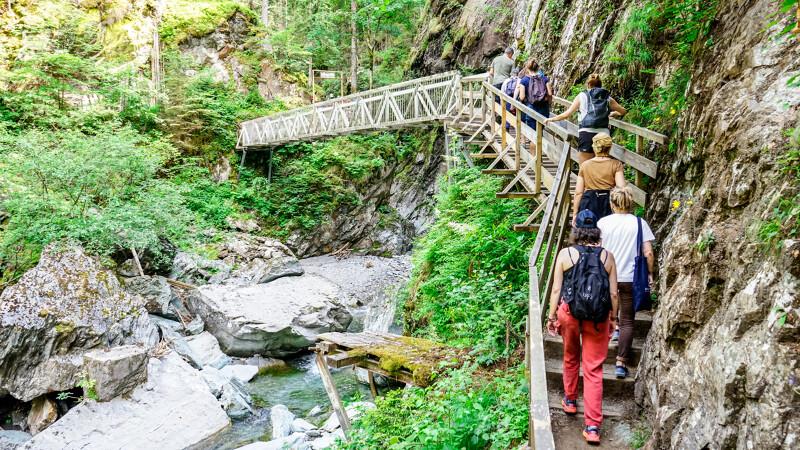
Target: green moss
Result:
[[187, 18], [419, 356], [64, 327]]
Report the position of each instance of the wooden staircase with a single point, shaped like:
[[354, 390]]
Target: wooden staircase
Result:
[[467, 108]]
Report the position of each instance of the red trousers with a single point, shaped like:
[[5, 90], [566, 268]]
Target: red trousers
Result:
[[588, 345]]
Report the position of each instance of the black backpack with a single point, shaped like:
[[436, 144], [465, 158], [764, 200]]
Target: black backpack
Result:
[[598, 109], [587, 291]]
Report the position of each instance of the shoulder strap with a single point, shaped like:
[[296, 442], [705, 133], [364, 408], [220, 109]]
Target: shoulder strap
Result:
[[606, 258], [639, 236]]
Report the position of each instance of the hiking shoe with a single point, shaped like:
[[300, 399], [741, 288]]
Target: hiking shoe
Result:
[[621, 372], [570, 407], [615, 335], [592, 435]]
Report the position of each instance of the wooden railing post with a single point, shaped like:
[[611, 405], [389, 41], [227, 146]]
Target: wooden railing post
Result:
[[503, 133], [638, 181], [538, 167], [517, 138]]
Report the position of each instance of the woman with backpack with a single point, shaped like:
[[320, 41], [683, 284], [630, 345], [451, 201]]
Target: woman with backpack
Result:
[[596, 178], [626, 237], [583, 310], [594, 106], [535, 91]]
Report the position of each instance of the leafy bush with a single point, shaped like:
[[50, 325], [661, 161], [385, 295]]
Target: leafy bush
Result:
[[466, 409], [100, 189], [471, 269]]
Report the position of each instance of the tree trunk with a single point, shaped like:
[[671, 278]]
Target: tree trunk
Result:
[[265, 12], [353, 49]]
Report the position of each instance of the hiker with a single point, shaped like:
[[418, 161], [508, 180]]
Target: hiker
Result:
[[534, 91], [594, 106], [621, 236], [500, 69], [509, 87], [583, 310], [596, 178]]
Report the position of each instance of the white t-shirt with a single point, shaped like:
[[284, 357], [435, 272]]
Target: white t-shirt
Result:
[[618, 232], [583, 109]]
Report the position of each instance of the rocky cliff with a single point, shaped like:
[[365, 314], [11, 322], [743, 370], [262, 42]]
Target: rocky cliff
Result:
[[720, 368]]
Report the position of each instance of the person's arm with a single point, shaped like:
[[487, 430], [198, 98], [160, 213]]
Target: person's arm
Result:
[[619, 177], [566, 114], [549, 88], [611, 268], [647, 249], [520, 93], [576, 198], [555, 292], [616, 108]]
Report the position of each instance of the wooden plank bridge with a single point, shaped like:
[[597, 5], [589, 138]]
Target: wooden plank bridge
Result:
[[537, 162]]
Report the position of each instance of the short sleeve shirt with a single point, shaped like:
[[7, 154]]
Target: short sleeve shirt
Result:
[[598, 174], [619, 232], [502, 68]]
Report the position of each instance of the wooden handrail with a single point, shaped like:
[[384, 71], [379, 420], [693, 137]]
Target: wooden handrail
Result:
[[621, 124]]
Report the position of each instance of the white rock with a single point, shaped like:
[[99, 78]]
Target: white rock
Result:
[[173, 410], [11, 439], [281, 419], [354, 410], [274, 319], [296, 441], [301, 425], [214, 379], [206, 348], [327, 440], [241, 372]]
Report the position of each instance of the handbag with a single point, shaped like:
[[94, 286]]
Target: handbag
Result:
[[642, 298]]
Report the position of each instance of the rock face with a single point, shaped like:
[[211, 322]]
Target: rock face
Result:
[[174, 410], [157, 295], [58, 310], [117, 370], [394, 206], [274, 319]]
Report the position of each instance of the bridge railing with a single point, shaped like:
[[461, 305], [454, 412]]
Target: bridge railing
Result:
[[410, 103]]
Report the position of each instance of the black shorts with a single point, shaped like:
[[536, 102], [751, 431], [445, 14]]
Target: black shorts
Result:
[[585, 141], [596, 201]]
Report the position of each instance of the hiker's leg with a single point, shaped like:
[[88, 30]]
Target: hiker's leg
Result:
[[595, 350], [570, 334], [626, 314]]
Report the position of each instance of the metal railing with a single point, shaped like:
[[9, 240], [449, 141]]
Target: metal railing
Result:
[[418, 101]]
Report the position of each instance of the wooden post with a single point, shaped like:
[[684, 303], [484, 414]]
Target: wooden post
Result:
[[517, 139], [638, 181], [333, 394], [372, 388], [483, 103], [503, 133], [538, 167], [136, 261]]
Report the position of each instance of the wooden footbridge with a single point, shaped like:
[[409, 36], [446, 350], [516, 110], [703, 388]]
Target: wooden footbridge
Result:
[[537, 162]]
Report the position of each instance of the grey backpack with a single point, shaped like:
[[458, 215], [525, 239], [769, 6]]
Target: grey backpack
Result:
[[598, 109]]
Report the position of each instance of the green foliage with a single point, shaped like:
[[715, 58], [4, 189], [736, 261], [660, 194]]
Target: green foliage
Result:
[[88, 386], [99, 189], [641, 434], [465, 409], [310, 181], [203, 115], [784, 222], [187, 18], [705, 241], [471, 273]]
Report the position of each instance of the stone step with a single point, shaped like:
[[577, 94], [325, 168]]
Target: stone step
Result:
[[554, 348], [611, 385], [612, 407]]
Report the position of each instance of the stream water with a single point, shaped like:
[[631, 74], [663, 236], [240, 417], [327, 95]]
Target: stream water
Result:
[[299, 387]]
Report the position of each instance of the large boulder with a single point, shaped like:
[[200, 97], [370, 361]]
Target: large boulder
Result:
[[173, 410], [117, 370], [158, 296], [11, 439], [258, 259], [274, 319], [58, 310]]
